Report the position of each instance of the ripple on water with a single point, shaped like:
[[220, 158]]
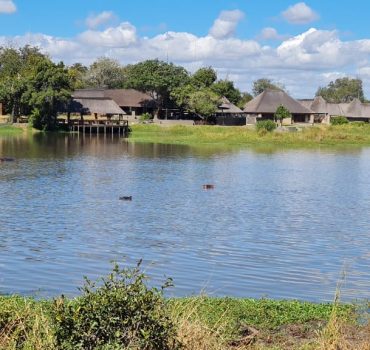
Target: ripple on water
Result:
[[283, 225]]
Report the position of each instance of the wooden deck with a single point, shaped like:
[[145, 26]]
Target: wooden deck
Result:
[[97, 126]]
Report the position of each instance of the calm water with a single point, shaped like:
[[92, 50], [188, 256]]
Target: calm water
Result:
[[281, 224]]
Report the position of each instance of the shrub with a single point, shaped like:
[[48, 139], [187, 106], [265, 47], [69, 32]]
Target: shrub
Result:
[[145, 117], [267, 125], [282, 113], [118, 311], [339, 120]]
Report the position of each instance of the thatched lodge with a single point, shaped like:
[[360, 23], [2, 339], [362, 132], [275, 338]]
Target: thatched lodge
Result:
[[265, 104], [99, 106], [132, 102], [229, 114], [324, 111]]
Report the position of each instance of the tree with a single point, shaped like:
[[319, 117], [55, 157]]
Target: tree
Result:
[[226, 88], [16, 68], [342, 90], [261, 85], [204, 102], [105, 73], [245, 98], [282, 113], [77, 73], [158, 79], [47, 92], [203, 77]]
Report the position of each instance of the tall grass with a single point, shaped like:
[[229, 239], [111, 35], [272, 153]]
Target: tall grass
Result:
[[351, 134], [204, 323], [25, 324]]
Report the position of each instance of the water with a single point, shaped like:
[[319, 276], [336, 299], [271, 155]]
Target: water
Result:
[[282, 224]]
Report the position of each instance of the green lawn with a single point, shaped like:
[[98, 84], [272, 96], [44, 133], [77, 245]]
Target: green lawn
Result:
[[348, 135], [6, 130]]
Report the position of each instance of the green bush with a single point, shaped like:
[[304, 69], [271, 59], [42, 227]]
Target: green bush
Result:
[[117, 312], [339, 120], [267, 125], [145, 117]]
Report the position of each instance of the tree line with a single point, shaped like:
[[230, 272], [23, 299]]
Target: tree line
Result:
[[32, 84]]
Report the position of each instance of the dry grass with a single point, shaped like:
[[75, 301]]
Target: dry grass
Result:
[[24, 324], [194, 334], [197, 332], [211, 324]]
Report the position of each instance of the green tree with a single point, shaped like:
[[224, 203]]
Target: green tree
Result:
[[77, 73], [181, 95], [245, 98], [16, 66], [158, 79], [282, 113], [47, 92], [342, 90], [203, 77], [105, 73], [226, 88], [261, 85], [204, 102]]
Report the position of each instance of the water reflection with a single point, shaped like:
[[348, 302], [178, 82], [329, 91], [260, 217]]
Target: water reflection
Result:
[[280, 223]]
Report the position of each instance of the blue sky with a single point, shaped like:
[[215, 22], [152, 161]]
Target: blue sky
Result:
[[300, 44]]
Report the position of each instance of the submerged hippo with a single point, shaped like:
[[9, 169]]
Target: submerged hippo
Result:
[[125, 198], [7, 159]]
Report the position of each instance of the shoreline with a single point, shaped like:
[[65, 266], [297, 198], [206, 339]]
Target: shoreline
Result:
[[351, 135], [224, 323]]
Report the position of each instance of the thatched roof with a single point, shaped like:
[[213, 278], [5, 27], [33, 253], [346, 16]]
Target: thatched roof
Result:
[[354, 109], [130, 98], [88, 93], [227, 107], [123, 97], [99, 105], [268, 101]]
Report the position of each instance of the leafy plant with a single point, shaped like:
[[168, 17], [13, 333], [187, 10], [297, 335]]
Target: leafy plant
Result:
[[118, 311], [282, 113], [266, 125], [339, 120], [145, 117]]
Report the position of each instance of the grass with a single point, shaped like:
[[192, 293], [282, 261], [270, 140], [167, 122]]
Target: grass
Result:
[[323, 135], [9, 130], [210, 324]]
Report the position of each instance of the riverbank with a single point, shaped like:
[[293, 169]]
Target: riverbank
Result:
[[8, 130], [201, 323], [354, 134]]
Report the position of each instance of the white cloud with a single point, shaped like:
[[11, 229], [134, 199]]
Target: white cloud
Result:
[[300, 13], [301, 63], [94, 21], [225, 25], [7, 6], [270, 33], [121, 36]]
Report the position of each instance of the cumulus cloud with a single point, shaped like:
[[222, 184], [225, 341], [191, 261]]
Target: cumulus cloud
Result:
[[7, 6], [300, 13], [121, 36], [225, 25], [270, 33], [95, 21], [301, 63]]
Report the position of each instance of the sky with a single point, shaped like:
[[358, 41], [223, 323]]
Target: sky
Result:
[[302, 45]]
